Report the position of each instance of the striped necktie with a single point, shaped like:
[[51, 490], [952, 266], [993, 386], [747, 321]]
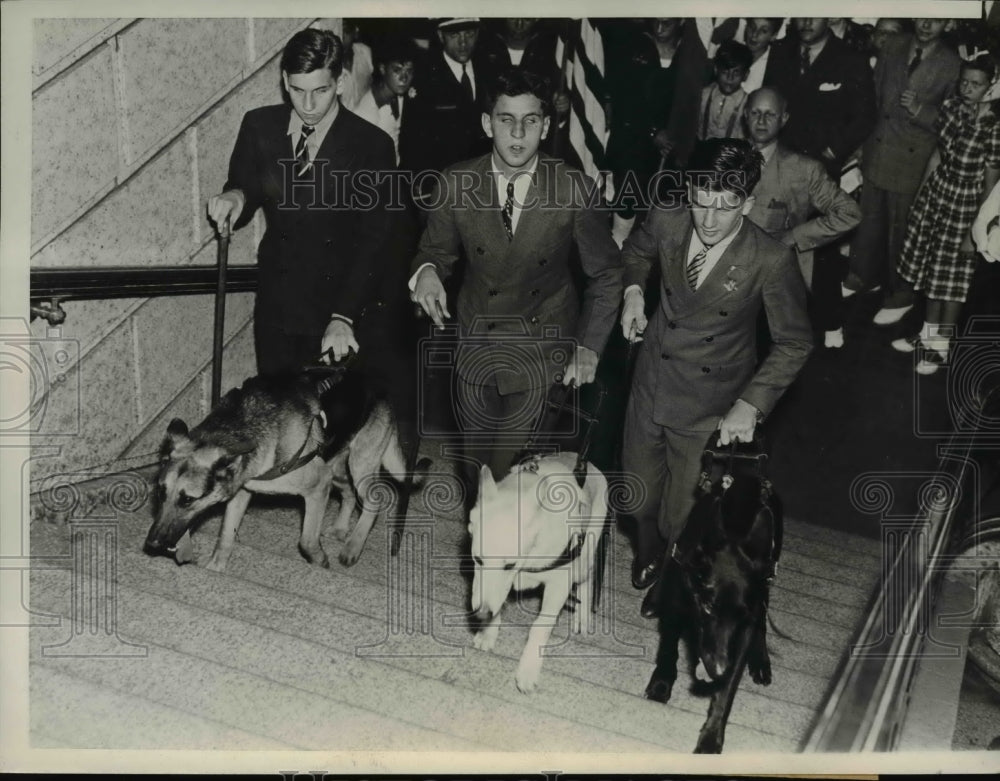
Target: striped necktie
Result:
[[694, 268], [301, 155], [508, 212]]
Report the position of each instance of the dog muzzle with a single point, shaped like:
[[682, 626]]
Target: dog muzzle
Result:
[[183, 550]]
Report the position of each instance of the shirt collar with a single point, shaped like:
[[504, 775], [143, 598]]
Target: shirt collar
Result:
[[456, 68], [322, 127], [817, 47], [522, 179], [767, 152], [714, 252]]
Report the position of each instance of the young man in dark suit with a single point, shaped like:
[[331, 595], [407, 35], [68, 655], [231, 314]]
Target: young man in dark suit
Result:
[[442, 125], [516, 216], [315, 170], [697, 369]]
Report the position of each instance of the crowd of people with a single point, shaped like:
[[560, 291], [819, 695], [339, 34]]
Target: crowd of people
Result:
[[757, 167]]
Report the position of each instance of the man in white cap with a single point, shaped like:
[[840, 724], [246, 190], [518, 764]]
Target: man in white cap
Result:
[[444, 126]]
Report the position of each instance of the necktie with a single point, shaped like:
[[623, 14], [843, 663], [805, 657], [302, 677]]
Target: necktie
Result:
[[508, 211], [301, 155], [694, 268], [804, 59], [917, 54], [467, 83], [394, 107]]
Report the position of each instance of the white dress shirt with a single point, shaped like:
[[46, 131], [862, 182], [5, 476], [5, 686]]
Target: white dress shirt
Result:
[[522, 181], [712, 255], [456, 68]]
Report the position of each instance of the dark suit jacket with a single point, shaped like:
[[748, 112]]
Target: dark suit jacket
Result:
[[898, 149], [440, 126], [831, 105], [699, 353], [318, 256], [525, 286]]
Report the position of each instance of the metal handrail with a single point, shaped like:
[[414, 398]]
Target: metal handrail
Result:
[[868, 699], [100, 282]]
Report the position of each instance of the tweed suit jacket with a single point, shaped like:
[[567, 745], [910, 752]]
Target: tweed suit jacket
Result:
[[831, 105], [521, 291], [320, 254], [699, 353], [897, 151], [796, 195]]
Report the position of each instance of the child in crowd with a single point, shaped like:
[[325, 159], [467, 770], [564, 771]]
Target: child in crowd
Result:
[[383, 104], [722, 100], [938, 256]]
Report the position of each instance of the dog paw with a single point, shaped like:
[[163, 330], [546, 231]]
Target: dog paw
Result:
[[659, 690], [215, 563], [484, 640], [316, 557], [709, 743], [760, 672], [349, 557], [526, 678]]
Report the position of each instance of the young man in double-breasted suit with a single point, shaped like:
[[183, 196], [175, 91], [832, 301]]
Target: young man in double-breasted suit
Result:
[[516, 216], [697, 369], [315, 170], [914, 74]]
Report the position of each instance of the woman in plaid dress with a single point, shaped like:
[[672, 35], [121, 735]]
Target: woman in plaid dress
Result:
[[937, 256]]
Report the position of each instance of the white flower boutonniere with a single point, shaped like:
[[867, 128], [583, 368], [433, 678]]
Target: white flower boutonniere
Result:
[[412, 93]]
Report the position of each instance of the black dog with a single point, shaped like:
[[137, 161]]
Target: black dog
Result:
[[714, 592]]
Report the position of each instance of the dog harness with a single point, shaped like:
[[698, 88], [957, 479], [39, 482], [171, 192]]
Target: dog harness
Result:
[[705, 483], [300, 458]]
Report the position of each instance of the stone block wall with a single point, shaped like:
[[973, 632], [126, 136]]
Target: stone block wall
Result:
[[133, 121]]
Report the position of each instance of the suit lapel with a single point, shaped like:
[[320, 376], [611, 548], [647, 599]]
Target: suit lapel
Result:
[[531, 223], [730, 272], [337, 146], [486, 195], [725, 279]]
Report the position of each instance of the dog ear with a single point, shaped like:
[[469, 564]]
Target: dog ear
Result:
[[758, 542], [487, 485], [177, 431], [225, 466]]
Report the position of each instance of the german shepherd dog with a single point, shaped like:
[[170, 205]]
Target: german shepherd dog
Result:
[[274, 435], [536, 527], [714, 592]]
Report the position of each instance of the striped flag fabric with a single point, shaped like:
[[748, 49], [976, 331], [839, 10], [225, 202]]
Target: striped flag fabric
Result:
[[580, 52]]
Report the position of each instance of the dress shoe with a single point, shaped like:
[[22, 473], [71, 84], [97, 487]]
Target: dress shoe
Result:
[[907, 344], [646, 576], [930, 361], [650, 603], [890, 315]]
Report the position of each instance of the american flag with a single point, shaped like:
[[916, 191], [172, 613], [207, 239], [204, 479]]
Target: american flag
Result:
[[580, 52]]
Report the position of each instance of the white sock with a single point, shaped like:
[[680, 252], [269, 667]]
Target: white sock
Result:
[[935, 339]]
